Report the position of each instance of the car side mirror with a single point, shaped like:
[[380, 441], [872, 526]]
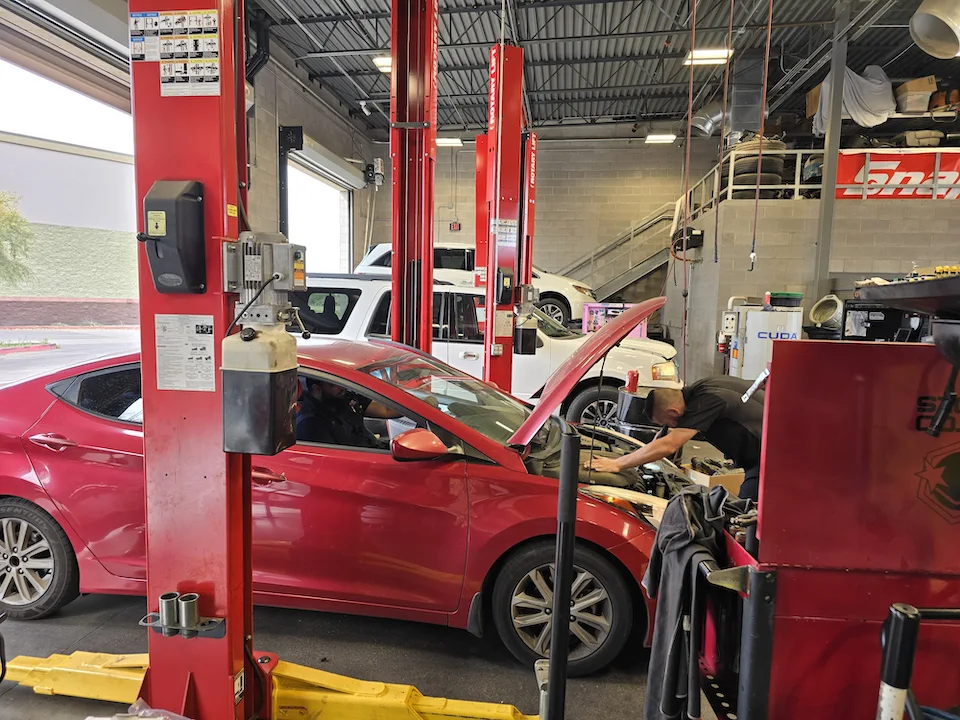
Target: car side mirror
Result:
[[417, 444]]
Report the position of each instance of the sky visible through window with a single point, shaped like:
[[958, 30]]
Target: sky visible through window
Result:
[[35, 106]]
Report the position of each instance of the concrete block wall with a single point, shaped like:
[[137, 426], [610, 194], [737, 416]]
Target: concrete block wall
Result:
[[281, 100], [587, 192], [870, 237]]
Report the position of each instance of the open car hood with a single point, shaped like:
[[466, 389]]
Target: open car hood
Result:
[[563, 380]]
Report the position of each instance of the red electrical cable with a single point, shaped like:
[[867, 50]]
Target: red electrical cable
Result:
[[686, 191], [723, 126], [763, 123]]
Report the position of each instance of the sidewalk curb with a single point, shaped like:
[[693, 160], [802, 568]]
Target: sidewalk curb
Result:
[[51, 328], [27, 348]]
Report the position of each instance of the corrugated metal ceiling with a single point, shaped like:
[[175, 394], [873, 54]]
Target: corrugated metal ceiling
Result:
[[586, 61]]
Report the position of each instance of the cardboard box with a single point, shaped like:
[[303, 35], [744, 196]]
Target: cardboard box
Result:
[[731, 481], [813, 100], [914, 95]]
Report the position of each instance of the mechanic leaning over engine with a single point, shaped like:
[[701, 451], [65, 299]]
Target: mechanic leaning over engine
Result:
[[712, 406]]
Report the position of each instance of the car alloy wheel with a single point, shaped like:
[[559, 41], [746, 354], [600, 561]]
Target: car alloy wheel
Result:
[[602, 413], [554, 311], [27, 567], [591, 612]]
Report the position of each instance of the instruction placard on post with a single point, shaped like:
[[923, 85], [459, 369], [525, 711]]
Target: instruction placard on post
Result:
[[186, 43], [185, 353]]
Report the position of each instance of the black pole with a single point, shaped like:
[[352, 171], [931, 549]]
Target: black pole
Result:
[[899, 641], [563, 572]]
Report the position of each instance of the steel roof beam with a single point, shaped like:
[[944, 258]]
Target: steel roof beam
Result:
[[534, 63]]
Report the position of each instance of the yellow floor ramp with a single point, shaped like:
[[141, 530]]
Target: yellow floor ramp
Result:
[[300, 693]]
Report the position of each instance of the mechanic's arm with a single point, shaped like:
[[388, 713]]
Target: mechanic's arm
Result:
[[657, 450]]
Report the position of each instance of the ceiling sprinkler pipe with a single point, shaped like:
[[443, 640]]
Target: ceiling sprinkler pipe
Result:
[[935, 28]]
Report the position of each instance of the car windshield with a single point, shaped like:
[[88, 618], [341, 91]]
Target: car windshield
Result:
[[462, 397]]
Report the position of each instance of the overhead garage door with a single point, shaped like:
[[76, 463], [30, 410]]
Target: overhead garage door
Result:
[[37, 37]]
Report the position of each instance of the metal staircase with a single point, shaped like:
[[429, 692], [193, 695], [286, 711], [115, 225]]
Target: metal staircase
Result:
[[632, 255]]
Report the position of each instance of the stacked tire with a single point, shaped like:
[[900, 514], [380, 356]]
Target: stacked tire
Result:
[[749, 166]]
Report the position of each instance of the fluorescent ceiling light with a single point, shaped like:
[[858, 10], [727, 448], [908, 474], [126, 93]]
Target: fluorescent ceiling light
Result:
[[708, 56], [449, 142], [661, 138], [384, 63]]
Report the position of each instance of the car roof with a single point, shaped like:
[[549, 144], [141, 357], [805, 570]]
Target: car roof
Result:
[[381, 279], [332, 354], [352, 355]]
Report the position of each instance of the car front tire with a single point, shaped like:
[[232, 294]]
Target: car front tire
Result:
[[602, 610], [595, 406], [38, 568], [556, 309]]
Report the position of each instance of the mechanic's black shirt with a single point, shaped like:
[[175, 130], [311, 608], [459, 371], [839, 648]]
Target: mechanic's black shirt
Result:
[[734, 427], [334, 421]]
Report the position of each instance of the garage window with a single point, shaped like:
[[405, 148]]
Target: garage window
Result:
[[320, 219], [40, 108]]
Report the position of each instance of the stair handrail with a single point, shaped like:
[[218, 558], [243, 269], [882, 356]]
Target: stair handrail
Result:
[[664, 212]]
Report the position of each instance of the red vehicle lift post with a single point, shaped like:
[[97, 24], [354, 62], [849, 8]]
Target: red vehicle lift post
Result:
[[528, 202], [413, 151], [503, 193], [197, 498]]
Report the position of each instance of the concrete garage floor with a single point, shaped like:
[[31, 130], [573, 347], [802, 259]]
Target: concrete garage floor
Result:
[[437, 660]]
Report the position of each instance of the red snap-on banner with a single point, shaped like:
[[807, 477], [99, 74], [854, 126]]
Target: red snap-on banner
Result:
[[891, 168]]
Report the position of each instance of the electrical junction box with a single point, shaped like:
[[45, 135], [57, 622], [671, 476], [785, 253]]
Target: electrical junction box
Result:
[[729, 323], [173, 236]]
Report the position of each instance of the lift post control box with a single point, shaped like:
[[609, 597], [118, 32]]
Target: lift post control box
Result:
[[525, 338], [505, 288], [173, 236], [259, 371]]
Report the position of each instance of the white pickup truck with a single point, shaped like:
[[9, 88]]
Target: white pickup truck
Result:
[[358, 307]]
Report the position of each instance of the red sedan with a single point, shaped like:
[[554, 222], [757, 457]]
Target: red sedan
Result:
[[462, 535]]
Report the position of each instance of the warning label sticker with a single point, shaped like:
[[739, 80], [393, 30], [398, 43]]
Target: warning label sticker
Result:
[[503, 324], [144, 37], [505, 231], [185, 353], [187, 46]]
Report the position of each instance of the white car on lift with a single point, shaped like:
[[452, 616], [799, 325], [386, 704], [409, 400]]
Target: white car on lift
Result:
[[358, 307], [561, 298]]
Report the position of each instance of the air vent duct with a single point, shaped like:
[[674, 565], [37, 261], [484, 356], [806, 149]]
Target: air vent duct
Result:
[[746, 89], [935, 28]]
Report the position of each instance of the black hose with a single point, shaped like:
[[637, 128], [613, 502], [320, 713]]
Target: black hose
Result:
[[3, 652], [261, 680], [247, 306]]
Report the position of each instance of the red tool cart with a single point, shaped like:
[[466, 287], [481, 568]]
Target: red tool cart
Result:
[[859, 511]]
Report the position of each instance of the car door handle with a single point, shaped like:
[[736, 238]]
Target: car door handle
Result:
[[263, 477], [469, 355], [52, 441]]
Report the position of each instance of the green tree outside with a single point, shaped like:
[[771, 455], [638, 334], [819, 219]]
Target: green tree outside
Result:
[[15, 238]]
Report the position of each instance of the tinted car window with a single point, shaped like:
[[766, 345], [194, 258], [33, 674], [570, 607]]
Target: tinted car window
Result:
[[325, 311], [450, 259], [385, 260], [114, 394], [464, 325], [380, 323]]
